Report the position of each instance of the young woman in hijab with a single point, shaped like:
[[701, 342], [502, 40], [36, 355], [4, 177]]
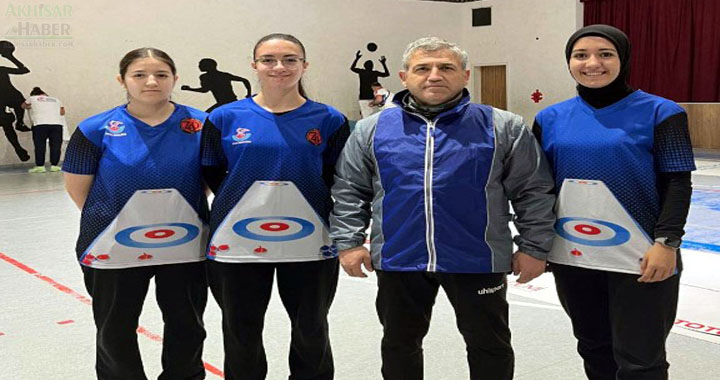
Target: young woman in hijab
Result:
[[622, 160]]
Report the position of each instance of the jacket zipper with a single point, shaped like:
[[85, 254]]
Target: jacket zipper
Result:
[[429, 220]]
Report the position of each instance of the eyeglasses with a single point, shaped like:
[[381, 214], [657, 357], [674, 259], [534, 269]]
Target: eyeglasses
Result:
[[288, 62]]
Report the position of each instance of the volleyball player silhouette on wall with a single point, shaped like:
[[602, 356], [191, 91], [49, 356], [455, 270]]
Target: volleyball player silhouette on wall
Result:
[[219, 83], [12, 98], [368, 76]]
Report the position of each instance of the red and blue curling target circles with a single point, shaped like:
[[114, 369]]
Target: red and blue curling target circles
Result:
[[591, 232], [587, 229], [160, 235], [274, 228]]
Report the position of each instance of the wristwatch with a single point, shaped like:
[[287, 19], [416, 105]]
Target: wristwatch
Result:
[[669, 242]]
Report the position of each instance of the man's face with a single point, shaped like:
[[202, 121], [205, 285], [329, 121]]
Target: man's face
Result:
[[434, 77]]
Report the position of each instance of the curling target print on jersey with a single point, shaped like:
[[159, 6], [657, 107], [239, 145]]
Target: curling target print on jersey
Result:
[[159, 235], [594, 231], [272, 222], [154, 227], [275, 229]]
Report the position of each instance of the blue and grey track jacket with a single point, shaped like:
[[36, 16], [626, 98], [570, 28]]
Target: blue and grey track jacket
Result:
[[438, 190]]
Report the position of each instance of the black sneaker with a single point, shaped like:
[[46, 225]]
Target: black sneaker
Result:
[[22, 128]]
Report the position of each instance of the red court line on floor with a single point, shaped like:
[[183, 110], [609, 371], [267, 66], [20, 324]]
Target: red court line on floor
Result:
[[141, 330], [65, 322]]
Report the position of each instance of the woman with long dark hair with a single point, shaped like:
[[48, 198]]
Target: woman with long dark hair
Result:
[[274, 156], [135, 173]]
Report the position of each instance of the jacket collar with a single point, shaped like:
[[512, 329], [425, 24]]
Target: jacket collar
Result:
[[401, 101]]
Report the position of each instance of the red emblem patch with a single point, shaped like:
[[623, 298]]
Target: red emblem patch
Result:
[[190, 125], [314, 137]]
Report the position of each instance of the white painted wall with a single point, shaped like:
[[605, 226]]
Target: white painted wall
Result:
[[529, 37], [82, 74]]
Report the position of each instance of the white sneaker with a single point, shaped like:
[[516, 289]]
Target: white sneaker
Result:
[[37, 169]]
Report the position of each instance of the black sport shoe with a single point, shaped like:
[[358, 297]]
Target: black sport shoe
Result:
[[22, 127]]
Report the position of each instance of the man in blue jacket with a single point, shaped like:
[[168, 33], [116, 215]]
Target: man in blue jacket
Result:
[[437, 175]]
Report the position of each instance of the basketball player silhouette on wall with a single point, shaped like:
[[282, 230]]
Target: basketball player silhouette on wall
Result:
[[12, 98], [218, 83], [367, 77]]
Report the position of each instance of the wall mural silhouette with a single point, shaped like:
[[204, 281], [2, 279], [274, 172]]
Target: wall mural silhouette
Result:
[[367, 76], [218, 83], [11, 98]]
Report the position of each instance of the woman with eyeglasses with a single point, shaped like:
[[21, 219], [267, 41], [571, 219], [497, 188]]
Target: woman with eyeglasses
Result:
[[270, 161]]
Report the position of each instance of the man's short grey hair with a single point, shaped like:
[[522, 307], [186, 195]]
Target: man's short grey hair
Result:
[[434, 44]]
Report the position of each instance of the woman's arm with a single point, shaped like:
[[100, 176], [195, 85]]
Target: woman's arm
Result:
[[78, 187], [82, 158], [674, 161], [214, 163]]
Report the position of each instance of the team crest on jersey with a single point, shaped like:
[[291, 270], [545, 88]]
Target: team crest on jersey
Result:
[[115, 128], [190, 125], [314, 137], [242, 136]]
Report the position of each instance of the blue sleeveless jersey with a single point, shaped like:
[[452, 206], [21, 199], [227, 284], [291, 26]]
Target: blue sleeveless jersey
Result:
[[624, 145], [255, 145], [125, 155]]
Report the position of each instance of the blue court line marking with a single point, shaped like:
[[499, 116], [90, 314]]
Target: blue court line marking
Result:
[[705, 204], [701, 246]]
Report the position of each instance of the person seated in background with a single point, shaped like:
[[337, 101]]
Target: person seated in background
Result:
[[382, 97]]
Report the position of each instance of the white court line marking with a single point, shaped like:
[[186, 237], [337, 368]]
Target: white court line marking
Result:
[[367, 280], [373, 281], [707, 166], [700, 287], [30, 192], [678, 328], [702, 227], [27, 218], [536, 305]]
